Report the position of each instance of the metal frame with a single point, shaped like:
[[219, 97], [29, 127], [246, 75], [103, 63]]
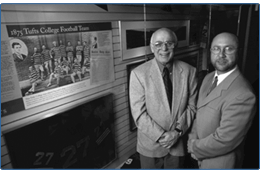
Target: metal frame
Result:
[[152, 25]]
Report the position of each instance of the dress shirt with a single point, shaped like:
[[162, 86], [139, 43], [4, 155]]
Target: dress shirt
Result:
[[221, 77], [169, 66]]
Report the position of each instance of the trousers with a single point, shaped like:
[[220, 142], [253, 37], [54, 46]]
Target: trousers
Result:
[[166, 162]]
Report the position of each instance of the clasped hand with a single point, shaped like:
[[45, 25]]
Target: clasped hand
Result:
[[190, 150], [168, 139]]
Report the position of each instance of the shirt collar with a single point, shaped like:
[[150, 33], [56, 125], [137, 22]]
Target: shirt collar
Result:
[[221, 77], [19, 55], [161, 66]]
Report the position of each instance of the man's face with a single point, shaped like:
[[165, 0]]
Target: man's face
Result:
[[93, 40], [224, 61], [163, 54], [17, 49], [54, 43]]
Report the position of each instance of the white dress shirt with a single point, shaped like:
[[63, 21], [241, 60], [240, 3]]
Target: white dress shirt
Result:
[[221, 77]]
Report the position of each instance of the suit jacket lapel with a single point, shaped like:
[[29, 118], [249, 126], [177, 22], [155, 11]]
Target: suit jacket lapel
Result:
[[205, 88], [157, 80], [224, 85], [178, 86]]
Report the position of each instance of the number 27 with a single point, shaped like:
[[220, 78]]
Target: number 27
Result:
[[70, 160], [40, 156]]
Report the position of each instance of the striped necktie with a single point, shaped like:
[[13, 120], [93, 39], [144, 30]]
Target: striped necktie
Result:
[[213, 85]]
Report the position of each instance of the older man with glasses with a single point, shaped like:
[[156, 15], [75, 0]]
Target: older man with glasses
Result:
[[163, 100], [225, 110]]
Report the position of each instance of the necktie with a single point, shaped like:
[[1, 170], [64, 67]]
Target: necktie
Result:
[[167, 84], [213, 85]]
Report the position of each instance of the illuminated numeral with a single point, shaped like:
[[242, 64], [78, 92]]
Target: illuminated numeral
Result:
[[50, 155], [70, 160], [40, 156], [86, 141]]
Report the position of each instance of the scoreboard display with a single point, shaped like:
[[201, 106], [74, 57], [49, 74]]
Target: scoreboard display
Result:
[[80, 138]]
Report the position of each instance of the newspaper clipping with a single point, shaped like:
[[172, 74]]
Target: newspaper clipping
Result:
[[51, 62]]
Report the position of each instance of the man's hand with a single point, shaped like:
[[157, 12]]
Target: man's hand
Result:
[[168, 139], [190, 149], [190, 145], [194, 157]]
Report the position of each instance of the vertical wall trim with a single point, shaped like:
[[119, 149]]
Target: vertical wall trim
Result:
[[246, 38], [145, 31], [209, 32], [238, 20]]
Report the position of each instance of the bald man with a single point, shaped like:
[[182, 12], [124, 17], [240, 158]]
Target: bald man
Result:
[[163, 99], [224, 112]]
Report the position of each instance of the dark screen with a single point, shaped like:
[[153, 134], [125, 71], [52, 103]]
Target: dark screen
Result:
[[81, 137]]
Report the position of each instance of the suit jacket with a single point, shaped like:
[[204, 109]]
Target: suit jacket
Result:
[[151, 110], [222, 121], [17, 59]]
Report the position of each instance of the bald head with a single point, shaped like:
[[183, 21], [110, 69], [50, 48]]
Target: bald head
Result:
[[224, 52], [227, 37], [161, 31]]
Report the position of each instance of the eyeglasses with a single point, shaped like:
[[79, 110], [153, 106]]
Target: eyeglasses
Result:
[[227, 50], [159, 44]]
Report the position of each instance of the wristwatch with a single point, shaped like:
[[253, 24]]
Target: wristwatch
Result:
[[179, 131]]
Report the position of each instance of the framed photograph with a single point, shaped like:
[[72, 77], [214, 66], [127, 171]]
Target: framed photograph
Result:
[[135, 40], [129, 68], [38, 49]]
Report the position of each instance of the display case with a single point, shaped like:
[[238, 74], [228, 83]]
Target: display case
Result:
[[80, 136]]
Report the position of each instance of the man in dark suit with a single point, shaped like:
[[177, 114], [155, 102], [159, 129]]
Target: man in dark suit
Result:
[[224, 113], [94, 42], [163, 100], [17, 55]]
